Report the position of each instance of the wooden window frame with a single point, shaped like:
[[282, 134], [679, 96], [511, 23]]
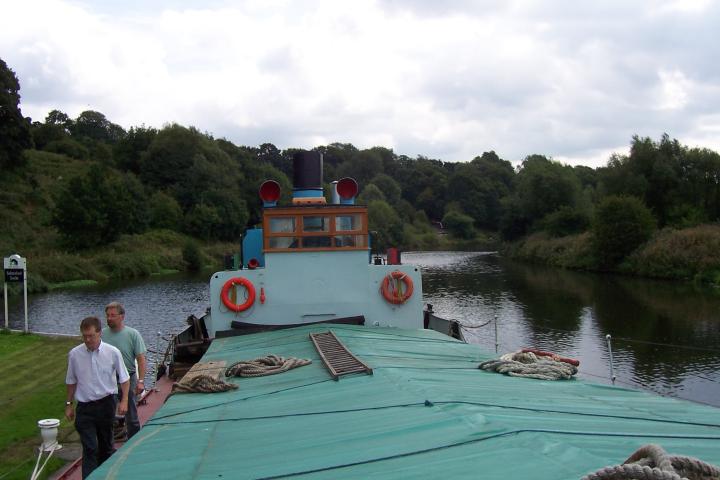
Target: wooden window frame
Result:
[[300, 212]]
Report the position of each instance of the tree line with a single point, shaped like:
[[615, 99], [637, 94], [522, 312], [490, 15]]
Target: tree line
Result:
[[182, 179]]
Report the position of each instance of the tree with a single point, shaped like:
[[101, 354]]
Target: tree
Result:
[[387, 225], [129, 149], [389, 187], [14, 128], [164, 211], [55, 129], [544, 186], [94, 126], [459, 224], [96, 208], [370, 193], [621, 225]]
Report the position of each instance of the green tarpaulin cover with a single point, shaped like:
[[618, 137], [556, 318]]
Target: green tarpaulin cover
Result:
[[426, 412]]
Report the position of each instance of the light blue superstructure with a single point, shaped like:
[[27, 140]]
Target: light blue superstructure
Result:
[[307, 287], [311, 262]]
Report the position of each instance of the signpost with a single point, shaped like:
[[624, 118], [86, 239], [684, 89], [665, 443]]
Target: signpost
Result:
[[15, 268]]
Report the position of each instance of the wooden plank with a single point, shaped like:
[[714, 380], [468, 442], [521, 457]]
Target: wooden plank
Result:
[[214, 369]]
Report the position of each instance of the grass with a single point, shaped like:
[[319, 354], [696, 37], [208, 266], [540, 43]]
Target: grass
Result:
[[72, 284], [32, 382]]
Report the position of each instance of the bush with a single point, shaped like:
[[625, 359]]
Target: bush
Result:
[[692, 253], [192, 256], [459, 224], [69, 147], [565, 221], [620, 226]]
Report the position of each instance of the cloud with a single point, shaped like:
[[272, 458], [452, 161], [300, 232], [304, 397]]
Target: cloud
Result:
[[448, 80]]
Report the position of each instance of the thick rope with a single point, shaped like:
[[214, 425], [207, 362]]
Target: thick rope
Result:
[[203, 384], [529, 365], [650, 462], [260, 367]]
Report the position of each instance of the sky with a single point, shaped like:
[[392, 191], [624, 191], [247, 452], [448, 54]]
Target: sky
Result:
[[573, 80]]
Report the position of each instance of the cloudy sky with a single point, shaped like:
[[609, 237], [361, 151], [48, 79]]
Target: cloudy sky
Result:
[[574, 80]]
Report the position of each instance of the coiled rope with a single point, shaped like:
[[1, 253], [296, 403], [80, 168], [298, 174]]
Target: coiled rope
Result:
[[650, 462], [203, 384], [269, 365], [527, 364]]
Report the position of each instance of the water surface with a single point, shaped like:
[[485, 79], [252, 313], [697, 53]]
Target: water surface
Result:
[[666, 335]]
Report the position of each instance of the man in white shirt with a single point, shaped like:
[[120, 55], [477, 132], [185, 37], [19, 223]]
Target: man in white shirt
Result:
[[94, 371]]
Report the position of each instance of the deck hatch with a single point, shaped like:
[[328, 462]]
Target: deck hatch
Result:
[[336, 357]]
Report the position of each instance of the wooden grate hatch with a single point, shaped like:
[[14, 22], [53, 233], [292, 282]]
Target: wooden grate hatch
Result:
[[336, 357]]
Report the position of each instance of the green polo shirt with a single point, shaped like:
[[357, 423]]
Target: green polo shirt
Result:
[[128, 341]]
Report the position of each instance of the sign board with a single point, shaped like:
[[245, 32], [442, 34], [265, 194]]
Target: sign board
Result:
[[14, 275], [14, 266]]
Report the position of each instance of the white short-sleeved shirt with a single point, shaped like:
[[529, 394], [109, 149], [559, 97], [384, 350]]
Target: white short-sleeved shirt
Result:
[[95, 372]]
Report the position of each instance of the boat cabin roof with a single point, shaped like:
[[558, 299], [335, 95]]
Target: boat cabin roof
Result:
[[427, 411]]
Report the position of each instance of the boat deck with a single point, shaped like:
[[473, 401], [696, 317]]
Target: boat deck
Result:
[[426, 412], [152, 402]]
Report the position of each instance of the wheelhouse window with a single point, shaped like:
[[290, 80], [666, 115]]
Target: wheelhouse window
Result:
[[345, 223], [313, 223], [283, 242], [282, 224], [315, 228]]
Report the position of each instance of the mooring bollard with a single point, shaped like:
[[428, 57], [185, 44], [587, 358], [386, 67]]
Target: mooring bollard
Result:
[[608, 337], [496, 334]]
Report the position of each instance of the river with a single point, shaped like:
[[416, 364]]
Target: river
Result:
[[665, 335]]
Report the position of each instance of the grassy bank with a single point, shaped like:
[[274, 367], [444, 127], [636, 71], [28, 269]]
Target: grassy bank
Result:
[[674, 254], [156, 252], [32, 382]]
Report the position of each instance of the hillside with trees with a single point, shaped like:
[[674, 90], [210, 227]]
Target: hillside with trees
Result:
[[85, 199]]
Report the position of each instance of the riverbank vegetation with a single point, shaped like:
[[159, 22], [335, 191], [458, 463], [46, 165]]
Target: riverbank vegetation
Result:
[[30, 393], [86, 200]]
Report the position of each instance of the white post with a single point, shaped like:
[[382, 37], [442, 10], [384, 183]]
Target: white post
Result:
[[496, 335], [25, 298], [612, 366], [6, 306]]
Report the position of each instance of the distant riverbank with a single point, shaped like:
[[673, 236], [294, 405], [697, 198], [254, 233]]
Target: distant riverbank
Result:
[[690, 254], [157, 252]]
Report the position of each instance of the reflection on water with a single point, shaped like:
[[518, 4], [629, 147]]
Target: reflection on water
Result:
[[152, 305], [666, 336]]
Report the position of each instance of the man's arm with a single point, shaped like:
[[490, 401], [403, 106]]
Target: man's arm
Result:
[[141, 373], [123, 406], [69, 410]]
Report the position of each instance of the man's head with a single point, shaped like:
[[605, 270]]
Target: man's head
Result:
[[115, 315], [90, 330]]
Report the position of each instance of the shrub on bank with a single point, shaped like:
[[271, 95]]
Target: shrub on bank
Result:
[[691, 253], [573, 251], [621, 225]]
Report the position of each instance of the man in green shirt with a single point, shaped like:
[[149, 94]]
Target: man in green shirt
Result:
[[131, 345]]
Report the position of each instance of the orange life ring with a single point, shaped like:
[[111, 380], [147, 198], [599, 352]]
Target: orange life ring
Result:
[[391, 289], [232, 305]]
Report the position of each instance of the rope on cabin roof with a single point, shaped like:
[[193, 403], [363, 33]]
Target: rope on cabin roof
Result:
[[203, 384], [651, 462], [528, 365], [268, 365]]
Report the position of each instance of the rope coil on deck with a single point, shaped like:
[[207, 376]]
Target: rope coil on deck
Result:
[[529, 365], [203, 384], [269, 365], [651, 462]]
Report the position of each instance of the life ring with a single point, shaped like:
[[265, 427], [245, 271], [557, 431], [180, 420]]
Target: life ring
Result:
[[390, 288], [229, 303]]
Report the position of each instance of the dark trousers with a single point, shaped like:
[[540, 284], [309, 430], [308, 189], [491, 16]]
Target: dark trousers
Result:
[[132, 422], [94, 423]]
